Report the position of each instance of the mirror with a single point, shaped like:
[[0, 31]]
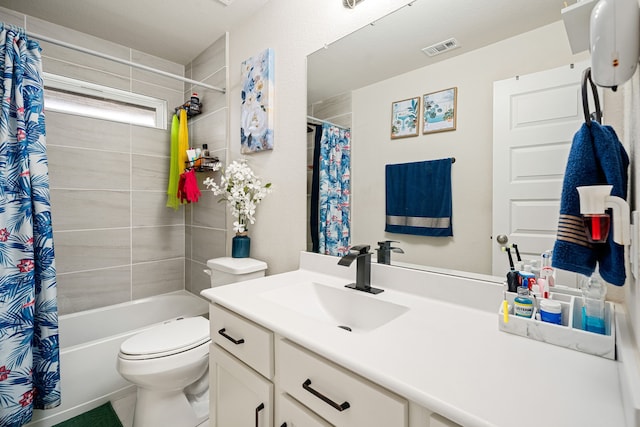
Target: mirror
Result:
[[354, 81]]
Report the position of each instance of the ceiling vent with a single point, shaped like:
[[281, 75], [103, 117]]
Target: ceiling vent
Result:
[[438, 48]]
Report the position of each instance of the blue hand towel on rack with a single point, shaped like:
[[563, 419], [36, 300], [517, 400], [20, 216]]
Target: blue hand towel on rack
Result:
[[596, 157], [418, 198]]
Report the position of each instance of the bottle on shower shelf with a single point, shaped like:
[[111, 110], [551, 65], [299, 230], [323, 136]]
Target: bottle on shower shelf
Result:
[[194, 104]]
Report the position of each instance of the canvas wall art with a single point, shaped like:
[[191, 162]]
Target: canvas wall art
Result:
[[256, 115]]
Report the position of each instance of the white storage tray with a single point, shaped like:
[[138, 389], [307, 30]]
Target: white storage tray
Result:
[[570, 333]]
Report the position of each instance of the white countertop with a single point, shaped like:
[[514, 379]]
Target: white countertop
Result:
[[443, 353]]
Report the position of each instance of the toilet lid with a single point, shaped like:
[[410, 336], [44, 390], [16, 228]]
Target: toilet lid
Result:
[[169, 338], [236, 266]]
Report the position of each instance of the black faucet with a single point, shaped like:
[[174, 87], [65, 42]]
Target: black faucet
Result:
[[384, 251], [363, 270]]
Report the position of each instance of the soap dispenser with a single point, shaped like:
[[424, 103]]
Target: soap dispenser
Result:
[[594, 202]]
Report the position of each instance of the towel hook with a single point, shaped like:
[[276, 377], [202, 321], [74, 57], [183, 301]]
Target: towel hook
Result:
[[597, 115]]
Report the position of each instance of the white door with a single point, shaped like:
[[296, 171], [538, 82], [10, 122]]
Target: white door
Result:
[[534, 119]]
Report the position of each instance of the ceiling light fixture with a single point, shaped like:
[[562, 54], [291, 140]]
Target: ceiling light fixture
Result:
[[350, 3]]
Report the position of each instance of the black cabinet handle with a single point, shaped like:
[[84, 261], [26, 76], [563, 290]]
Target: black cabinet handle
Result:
[[284, 425], [340, 407], [233, 340], [258, 409]]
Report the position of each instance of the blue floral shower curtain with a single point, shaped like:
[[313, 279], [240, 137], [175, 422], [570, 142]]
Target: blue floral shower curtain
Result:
[[335, 190], [29, 353]]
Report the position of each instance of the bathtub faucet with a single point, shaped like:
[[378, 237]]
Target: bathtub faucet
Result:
[[363, 268]]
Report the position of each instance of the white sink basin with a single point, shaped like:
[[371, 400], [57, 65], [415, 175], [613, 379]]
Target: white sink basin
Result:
[[349, 309]]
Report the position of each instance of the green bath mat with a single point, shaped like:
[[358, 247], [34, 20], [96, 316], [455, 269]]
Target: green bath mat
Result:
[[102, 416]]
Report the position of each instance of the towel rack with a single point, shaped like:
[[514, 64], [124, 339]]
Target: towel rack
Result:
[[597, 115]]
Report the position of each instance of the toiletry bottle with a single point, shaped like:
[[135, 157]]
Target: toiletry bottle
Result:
[[551, 311], [547, 272], [527, 279], [205, 150], [194, 104], [198, 162], [594, 291], [522, 304]]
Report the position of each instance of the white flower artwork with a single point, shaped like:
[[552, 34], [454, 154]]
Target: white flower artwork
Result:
[[256, 115]]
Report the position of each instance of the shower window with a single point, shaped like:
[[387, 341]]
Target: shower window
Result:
[[73, 96]]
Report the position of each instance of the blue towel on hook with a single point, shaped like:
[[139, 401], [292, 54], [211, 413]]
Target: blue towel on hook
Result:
[[418, 198], [597, 157]]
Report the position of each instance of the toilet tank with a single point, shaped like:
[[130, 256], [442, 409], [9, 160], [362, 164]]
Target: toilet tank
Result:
[[228, 270]]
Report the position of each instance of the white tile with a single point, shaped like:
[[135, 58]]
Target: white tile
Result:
[[91, 249], [157, 243]]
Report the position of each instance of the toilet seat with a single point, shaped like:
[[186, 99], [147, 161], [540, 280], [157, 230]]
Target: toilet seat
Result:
[[173, 337]]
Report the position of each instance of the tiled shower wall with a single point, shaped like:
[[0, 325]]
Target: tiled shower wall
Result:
[[205, 230], [114, 239]]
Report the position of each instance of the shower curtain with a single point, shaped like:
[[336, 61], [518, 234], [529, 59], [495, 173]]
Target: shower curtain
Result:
[[29, 353], [334, 189]]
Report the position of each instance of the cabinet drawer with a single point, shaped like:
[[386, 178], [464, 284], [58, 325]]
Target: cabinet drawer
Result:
[[337, 395], [290, 413], [246, 340]]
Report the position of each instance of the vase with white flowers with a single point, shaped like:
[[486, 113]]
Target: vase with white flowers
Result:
[[243, 191]]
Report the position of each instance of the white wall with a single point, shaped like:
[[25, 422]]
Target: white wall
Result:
[[471, 144], [294, 29], [631, 131]]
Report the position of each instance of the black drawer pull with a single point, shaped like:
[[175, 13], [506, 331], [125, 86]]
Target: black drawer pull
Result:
[[258, 409], [284, 425], [340, 407], [233, 340]]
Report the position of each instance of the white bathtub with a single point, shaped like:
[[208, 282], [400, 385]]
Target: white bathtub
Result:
[[89, 344]]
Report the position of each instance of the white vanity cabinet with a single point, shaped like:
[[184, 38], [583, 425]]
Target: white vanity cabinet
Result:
[[261, 379]]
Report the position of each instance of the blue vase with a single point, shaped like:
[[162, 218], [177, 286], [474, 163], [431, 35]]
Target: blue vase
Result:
[[240, 246]]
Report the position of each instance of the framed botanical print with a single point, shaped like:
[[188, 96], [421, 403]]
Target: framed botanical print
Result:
[[404, 118], [440, 112]]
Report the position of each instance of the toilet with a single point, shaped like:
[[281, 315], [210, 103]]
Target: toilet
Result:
[[169, 363]]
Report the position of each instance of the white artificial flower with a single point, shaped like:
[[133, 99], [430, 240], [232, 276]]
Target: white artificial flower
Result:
[[242, 190]]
